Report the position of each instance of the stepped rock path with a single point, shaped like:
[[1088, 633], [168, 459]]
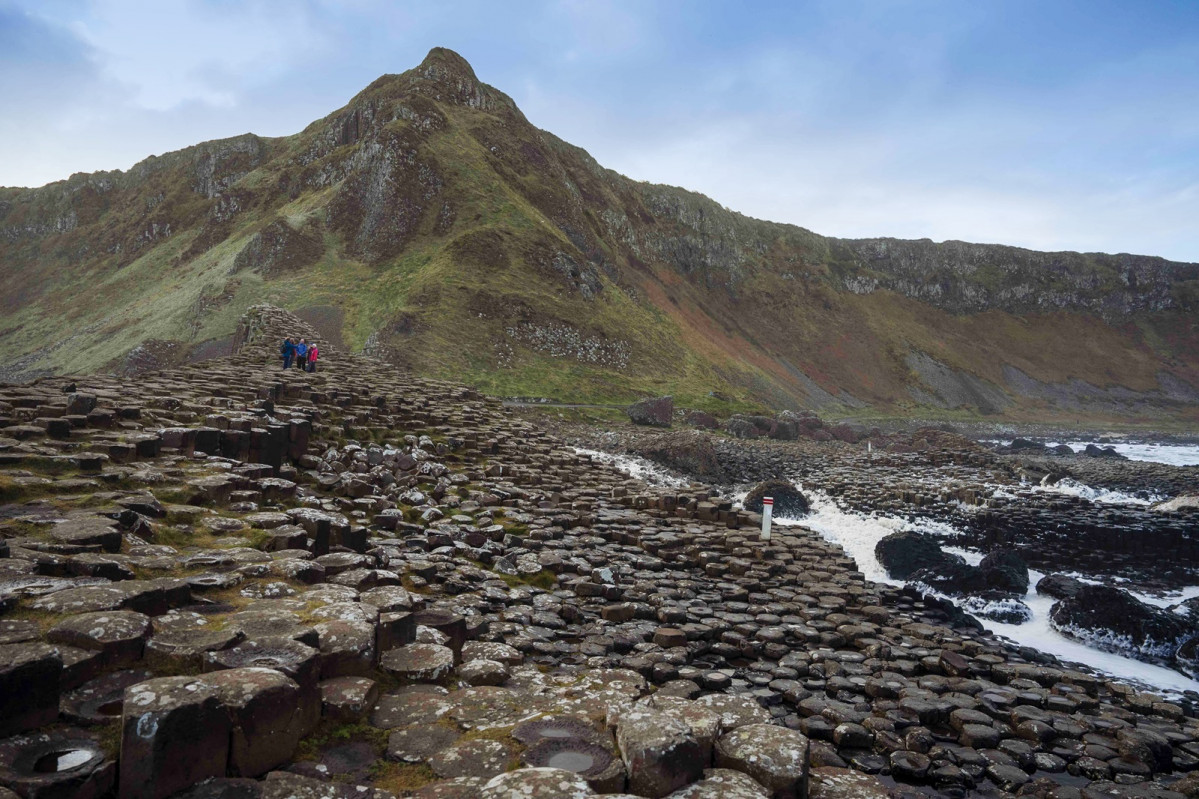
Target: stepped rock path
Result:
[[231, 580]]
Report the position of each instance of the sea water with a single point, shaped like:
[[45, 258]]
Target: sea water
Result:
[[859, 533]]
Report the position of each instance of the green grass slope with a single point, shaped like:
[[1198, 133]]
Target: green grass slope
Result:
[[429, 223]]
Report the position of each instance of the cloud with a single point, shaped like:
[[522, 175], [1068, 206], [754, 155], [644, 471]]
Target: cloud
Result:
[[1011, 121], [197, 50]]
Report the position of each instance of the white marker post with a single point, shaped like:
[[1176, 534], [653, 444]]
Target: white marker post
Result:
[[767, 511]]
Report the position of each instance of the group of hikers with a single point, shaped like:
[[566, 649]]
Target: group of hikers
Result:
[[301, 353]]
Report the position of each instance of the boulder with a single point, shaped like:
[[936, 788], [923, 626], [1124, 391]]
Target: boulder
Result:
[[998, 606], [789, 502], [686, 451], [903, 554], [740, 427], [844, 432], [1096, 451], [1005, 570], [655, 412], [950, 575], [701, 419], [1178, 504], [1059, 586], [1115, 621]]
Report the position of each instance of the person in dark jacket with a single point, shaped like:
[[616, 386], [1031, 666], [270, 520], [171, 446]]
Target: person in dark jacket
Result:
[[288, 351], [302, 355]]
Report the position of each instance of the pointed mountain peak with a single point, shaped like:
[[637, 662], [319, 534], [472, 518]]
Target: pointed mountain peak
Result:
[[448, 77], [442, 63]]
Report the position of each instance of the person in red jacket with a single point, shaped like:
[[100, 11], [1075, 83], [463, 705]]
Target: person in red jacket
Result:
[[312, 353]]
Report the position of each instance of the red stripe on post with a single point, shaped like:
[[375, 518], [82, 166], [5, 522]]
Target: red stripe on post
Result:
[[767, 500]]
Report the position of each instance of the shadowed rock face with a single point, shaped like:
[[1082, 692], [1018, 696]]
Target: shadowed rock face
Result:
[[451, 236]]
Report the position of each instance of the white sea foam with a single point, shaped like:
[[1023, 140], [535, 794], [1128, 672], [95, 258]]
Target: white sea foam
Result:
[[1073, 488], [1171, 454], [858, 534], [640, 468]]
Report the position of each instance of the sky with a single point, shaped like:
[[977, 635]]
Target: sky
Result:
[[1048, 124]]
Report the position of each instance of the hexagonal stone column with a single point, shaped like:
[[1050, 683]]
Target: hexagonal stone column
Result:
[[659, 751], [264, 709], [118, 635], [774, 756], [174, 733], [29, 686]]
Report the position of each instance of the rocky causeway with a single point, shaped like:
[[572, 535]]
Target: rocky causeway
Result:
[[232, 580]]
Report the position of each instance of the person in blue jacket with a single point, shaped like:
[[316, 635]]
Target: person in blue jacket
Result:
[[288, 351], [302, 355]]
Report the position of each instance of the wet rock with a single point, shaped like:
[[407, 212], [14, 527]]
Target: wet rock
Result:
[[903, 554], [1004, 570], [660, 753], [174, 733], [789, 502], [1113, 619], [1059, 586], [950, 574], [29, 686], [776, 757], [656, 412], [997, 606]]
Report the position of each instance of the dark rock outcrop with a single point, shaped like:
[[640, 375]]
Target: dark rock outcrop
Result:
[[1059, 586], [905, 553], [654, 411], [686, 451], [1112, 619], [789, 501], [1005, 570]]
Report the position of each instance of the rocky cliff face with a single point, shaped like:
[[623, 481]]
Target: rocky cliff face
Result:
[[430, 221]]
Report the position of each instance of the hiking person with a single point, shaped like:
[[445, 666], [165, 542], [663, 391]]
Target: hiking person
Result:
[[312, 356], [302, 356], [287, 351]]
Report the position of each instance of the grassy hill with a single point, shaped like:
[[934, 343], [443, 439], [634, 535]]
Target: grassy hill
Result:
[[429, 223]]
